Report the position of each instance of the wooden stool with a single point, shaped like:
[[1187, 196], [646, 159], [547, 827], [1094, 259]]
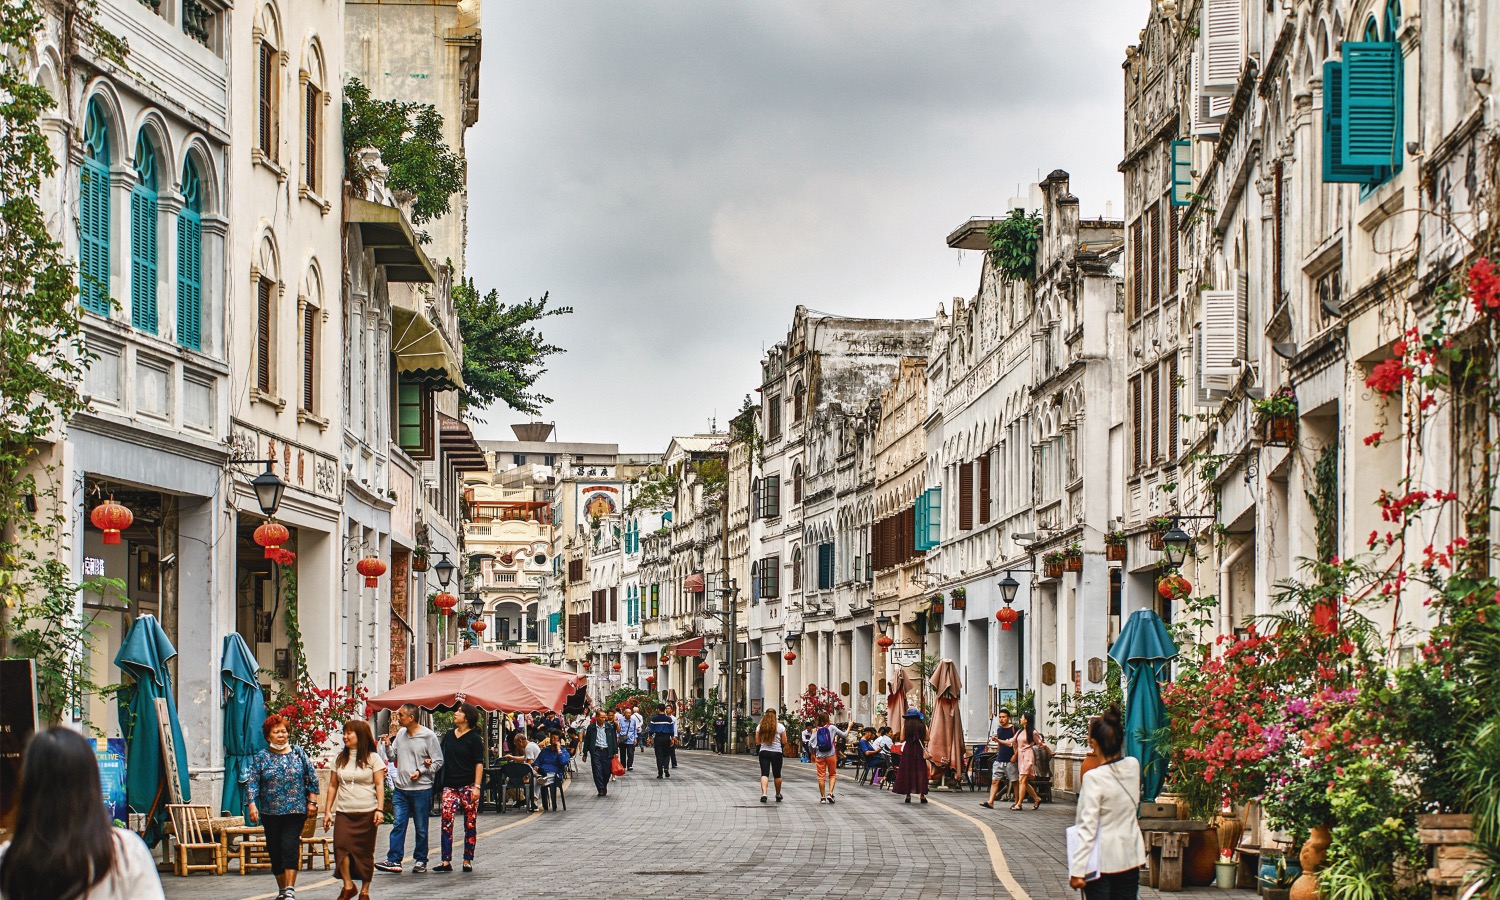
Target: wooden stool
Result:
[[254, 856], [313, 846], [1167, 847]]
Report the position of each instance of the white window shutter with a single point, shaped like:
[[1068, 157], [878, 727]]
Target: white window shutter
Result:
[[1208, 110], [1223, 46], [1224, 314], [1208, 390]]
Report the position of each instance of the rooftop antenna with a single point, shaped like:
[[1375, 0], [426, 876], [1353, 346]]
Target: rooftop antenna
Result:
[[713, 423]]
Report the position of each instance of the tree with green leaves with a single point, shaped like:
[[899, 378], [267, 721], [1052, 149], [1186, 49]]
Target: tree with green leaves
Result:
[[409, 137], [504, 351], [43, 358]]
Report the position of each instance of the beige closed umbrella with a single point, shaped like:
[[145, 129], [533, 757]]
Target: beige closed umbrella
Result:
[[895, 703], [945, 740]]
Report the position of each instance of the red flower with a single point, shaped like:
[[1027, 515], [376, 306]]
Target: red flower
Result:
[[1373, 439], [1389, 376], [1484, 288]]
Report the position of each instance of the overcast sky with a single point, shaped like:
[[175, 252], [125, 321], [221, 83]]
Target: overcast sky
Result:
[[684, 173]]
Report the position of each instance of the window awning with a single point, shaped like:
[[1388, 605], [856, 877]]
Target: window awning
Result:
[[422, 354], [459, 446], [693, 584], [689, 647], [385, 230]]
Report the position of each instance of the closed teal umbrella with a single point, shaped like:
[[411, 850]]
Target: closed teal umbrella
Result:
[[143, 659], [244, 714], [1144, 651]]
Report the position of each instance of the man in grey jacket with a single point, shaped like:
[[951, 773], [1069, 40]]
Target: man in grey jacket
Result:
[[415, 755]]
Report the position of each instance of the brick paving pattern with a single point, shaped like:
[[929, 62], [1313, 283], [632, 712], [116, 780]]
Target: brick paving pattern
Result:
[[704, 833]]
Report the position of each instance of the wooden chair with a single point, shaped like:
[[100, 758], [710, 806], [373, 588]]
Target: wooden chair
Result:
[[191, 828]]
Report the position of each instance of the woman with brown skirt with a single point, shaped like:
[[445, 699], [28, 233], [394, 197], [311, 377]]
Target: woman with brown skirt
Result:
[[355, 807], [911, 777]]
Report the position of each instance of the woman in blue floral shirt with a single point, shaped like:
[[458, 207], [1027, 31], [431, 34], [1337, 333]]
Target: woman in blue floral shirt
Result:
[[282, 791]]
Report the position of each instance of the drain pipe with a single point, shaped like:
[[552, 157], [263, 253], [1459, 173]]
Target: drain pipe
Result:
[[1224, 568]]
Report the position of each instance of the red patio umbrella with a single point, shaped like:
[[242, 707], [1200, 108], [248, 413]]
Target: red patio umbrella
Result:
[[493, 680], [945, 741], [895, 703]]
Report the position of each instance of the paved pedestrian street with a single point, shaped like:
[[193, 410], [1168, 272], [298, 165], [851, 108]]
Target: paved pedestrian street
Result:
[[704, 833]]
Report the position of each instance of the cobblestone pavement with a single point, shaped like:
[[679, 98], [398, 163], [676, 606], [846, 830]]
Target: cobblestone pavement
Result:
[[704, 832]]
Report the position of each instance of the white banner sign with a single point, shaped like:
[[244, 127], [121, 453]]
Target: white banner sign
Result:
[[906, 656]]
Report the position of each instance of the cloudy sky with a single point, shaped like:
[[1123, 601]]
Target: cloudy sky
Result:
[[684, 173]]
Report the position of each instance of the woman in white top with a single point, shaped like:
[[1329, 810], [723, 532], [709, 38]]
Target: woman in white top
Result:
[[63, 847], [355, 807], [1106, 819], [770, 737]]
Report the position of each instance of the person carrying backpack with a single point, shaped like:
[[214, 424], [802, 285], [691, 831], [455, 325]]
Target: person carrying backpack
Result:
[[825, 752]]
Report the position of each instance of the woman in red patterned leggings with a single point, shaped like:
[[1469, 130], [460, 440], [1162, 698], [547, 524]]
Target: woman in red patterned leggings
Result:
[[463, 773]]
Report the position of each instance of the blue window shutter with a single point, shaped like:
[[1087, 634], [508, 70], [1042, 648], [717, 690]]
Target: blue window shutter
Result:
[[825, 566], [1371, 89], [143, 260], [93, 231], [1335, 169], [919, 533], [934, 517], [189, 280], [1182, 172]]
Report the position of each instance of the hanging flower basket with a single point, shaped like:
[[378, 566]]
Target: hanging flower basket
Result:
[[959, 598], [1052, 565], [1073, 559], [937, 606], [419, 559], [1159, 529], [1114, 546], [1279, 431]]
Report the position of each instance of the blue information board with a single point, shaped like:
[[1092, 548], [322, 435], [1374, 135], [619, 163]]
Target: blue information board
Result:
[[111, 756]]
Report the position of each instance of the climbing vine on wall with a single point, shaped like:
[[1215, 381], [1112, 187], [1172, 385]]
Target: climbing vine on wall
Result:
[[1324, 500]]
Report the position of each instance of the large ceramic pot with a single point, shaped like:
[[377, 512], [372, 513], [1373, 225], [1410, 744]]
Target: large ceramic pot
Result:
[[1314, 854], [1199, 859]]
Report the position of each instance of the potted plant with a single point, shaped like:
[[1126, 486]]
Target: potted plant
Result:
[[1052, 564], [419, 559], [1073, 558], [959, 598], [1276, 875], [1226, 869], [1159, 527], [1278, 418], [1114, 546], [937, 605]]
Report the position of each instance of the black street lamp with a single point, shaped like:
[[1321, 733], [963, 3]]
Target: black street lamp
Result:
[[444, 569], [1174, 545], [476, 608], [883, 622], [267, 487], [1008, 587]]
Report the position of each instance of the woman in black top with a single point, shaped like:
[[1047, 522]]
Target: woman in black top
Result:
[[462, 774]]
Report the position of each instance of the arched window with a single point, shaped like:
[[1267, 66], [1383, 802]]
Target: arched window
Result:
[[1372, 30], [799, 401], [1392, 19], [755, 498], [797, 483], [268, 64], [190, 260], [796, 568], [754, 582], [312, 119], [143, 214], [93, 213]]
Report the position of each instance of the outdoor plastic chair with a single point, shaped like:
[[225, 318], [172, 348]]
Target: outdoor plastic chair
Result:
[[517, 775]]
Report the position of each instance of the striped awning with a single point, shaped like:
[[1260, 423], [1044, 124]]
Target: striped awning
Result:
[[689, 647], [694, 584]]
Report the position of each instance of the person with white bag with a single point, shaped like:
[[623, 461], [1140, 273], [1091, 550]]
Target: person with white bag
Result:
[[1105, 847]]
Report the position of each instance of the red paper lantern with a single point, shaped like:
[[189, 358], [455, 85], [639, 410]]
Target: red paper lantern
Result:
[[111, 518], [884, 642], [666, 658], [271, 535], [703, 666], [789, 656], [1007, 617], [372, 568], [587, 665], [1174, 586], [445, 602], [651, 679], [479, 626], [616, 667]]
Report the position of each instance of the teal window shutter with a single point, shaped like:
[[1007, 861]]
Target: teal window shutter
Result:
[[1182, 173], [93, 213], [190, 262], [1371, 96], [825, 566], [919, 533], [143, 216], [1335, 169], [934, 517]]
